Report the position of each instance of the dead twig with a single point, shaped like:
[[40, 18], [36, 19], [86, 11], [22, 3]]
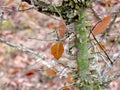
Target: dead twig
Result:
[[111, 79], [101, 47], [107, 69], [95, 14], [38, 57]]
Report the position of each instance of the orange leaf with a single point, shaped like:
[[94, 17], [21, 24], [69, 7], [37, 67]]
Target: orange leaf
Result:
[[9, 3], [70, 78], [52, 25], [62, 33], [62, 28], [57, 50], [102, 25], [51, 72], [14, 70], [66, 88]]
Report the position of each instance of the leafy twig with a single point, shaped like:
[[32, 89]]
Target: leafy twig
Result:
[[101, 47]]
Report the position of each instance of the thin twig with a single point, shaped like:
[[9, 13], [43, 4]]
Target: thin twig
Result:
[[111, 79], [57, 11], [94, 27], [19, 5], [107, 69], [39, 57], [95, 14], [42, 39], [22, 48], [99, 43], [101, 47]]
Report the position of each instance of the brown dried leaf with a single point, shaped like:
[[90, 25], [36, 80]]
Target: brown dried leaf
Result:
[[57, 50], [14, 70], [70, 78], [102, 25], [52, 25], [66, 88], [62, 28], [51, 72]]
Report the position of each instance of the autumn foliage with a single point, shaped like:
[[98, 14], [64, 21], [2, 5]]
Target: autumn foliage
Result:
[[57, 50], [102, 25]]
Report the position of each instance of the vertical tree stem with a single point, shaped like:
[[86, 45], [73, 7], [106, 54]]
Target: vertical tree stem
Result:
[[82, 46]]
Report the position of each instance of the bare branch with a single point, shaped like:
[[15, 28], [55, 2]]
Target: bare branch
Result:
[[111, 79], [101, 48], [107, 69], [95, 14], [38, 57], [21, 47]]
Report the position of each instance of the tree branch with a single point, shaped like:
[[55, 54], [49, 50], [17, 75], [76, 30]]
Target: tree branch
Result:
[[68, 9], [111, 79], [25, 49]]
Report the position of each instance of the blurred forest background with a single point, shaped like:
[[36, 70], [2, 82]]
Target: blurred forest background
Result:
[[20, 70]]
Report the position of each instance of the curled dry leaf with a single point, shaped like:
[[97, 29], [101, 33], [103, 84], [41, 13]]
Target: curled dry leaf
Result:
[[102, 25], [51, 72], [57, 50]]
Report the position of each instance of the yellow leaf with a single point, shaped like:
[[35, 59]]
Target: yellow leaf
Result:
[[102, 25], [57, 50]]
